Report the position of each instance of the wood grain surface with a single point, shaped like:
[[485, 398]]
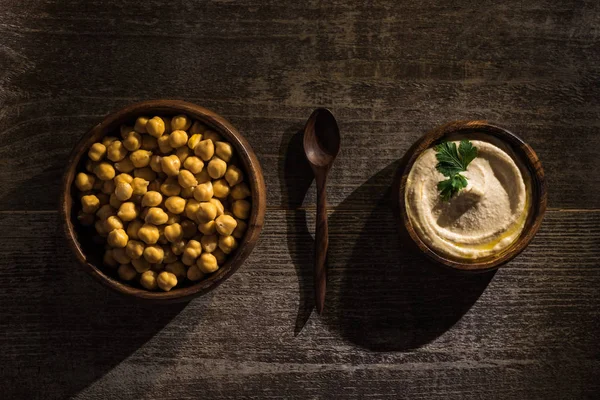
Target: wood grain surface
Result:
[[394, 326]]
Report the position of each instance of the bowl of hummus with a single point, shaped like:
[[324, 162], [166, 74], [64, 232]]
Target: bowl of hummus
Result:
[[472, 195]]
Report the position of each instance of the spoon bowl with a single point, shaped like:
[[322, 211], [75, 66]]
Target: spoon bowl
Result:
[[321, 138]]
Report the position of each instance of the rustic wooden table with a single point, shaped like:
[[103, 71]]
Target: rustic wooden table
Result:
[[390, 70]]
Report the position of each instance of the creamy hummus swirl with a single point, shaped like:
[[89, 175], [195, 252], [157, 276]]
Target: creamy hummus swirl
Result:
[[481, 220]]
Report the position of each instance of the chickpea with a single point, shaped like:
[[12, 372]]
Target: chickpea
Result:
[[240, 191], [155, 163], [140, 264], [206, 212], [208, 228], [97, 152], [107, 140], [128, 211], [148, 280], [90, 204], [187, 192], [177, 268], [161, 234], [134, 249], [219, 255], [124, 130], [145, 173], [85, 219], [194, 274], [234, 175], [241, 209], [227, 244], [191, 208], [170, 187], [114, 202], [173, 218], [105, 211], [148, 233], [140, 124], [217, 203], [163, 144], [170, 257], [108, 187], [156, 216], [178, 247], [120, 255], [216, 168], [221, 189], [166, 281], [178, 138], [204, 149], [212, 136], [193, 164], [209, 243], [117, 238], [155, 127], [183, 153], [125, 165], [140, 158], [132, 141], [104, 171], [139, 186], [175, 204], [224, 151], [123, 191], [194, 140], [225, 225], [116, 151], [207, 263], [186, 179], [133, 228], [154, 186], [197, 127], [152, 199], [126, 272], [204, 191], [192, 250], [170, 165], [109, 260], [189, 229], [154, 254], [123, 178], [181, 122], [149, 142], [113, 222], [240, 229], [85, 182], [90, 165], [202, 176]]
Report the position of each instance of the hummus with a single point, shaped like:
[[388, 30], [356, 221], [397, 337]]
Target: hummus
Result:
[[482, 219]]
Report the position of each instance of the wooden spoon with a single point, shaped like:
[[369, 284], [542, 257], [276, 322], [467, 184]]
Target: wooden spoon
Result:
[[321, 146]]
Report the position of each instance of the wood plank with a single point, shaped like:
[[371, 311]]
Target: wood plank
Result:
[[529, 331]]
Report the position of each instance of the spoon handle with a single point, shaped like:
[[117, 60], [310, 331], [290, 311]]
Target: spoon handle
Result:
[[321, 243]]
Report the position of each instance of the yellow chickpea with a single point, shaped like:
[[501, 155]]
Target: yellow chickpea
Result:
[[107, 140], [216, 168], [140, 124], [194, 274], [105, 211], [128, 211], [154, 254], [204, 191], [178, 138], [114, 202], [205, 149], [221, 189], [240, 191], [117, 238], [139, 186], [155, 163], [234, 175], [241, 209], [140, 158], [120, 255], [123, 191], [124, 130], [145, 173], [90, 204], [104, 171], [181, 122], [163, 144], [85, 182], [227, 244], [187, 192], [132, 141], [208, 228], [174, 233], [189, 228], [140, 264], [133, 228], [192, 250], [108, 187], [116, 151], [219, 255], [197, 128], [123, 178], [209, 243], [149, 143], [183, 153], [125, 165], [170, 165], [156, 216], [148, 280], [177, 268], [193, 164], [225, 225], [191, 208], [207, 263], [126, 272], [97, 152], [178, 247], [217, 203], [202, 176], [240, 229], [212, 136], [148, 233], [194, 140], [85, 219], [206, 212], [173, 218], [224, 151], [155, 127], [152, 199], [109, 260], [170, 187], [134, 249], [175, 204], [113, 222], [166, 281], [186, 179]]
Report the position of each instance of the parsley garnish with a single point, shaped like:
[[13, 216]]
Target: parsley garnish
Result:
[[451, 162]]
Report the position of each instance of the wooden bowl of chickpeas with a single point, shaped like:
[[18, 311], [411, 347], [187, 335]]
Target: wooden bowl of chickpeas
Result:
[[163, 200]]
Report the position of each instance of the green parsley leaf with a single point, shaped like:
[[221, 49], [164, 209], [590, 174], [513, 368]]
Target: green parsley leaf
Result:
[[451, 162]]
